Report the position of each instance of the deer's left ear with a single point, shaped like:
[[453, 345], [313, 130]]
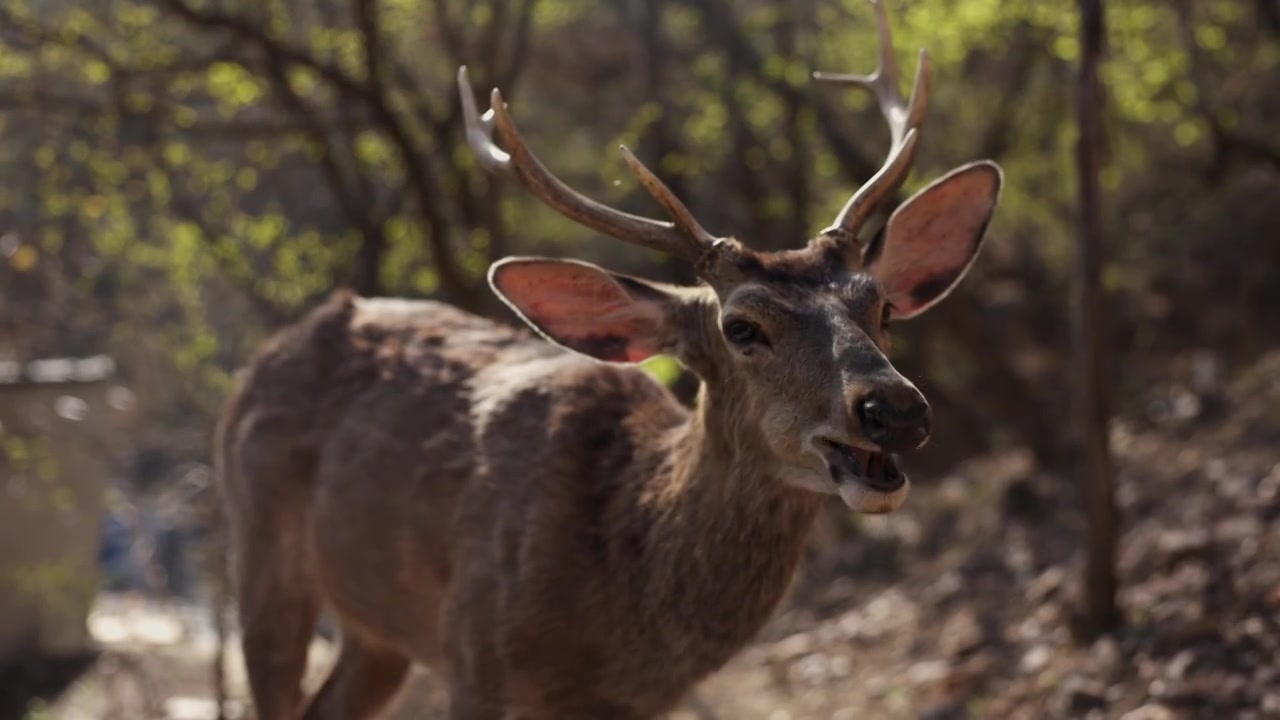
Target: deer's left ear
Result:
[[933, 238]]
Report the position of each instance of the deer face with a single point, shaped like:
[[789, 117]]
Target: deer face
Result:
[[796, 341], [807, 337]]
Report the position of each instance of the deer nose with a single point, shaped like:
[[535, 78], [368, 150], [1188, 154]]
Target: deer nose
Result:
[[895, 426]]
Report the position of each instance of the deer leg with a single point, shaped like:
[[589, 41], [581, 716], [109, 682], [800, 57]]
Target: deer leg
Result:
[[364, 680], [277, 597], [278, 611]]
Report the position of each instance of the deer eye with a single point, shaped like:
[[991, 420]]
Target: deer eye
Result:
[[743, 332]]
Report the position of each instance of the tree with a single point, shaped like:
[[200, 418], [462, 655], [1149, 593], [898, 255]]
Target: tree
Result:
[[1093, 402]]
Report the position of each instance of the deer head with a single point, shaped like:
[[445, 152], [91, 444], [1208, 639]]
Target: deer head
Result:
[[795, 340]]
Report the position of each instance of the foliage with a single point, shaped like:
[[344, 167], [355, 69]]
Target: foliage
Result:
[[188, 175]]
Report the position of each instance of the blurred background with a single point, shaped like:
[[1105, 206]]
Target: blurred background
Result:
[[182, 177]]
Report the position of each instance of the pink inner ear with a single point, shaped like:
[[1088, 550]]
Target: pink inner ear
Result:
[[583, 308], [934, 236]]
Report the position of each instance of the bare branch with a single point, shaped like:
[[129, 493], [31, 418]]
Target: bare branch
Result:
[[281, 49], [719, 20], [417, 164], [40, 35], [1226, 138], [367, 20]]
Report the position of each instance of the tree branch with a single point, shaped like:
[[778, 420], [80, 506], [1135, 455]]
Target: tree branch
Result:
[[350, 193], [279, 48], [718, 20], [40, 35], [1226, 139], [417, 165], [367, 20]]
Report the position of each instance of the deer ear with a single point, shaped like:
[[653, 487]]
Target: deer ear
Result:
[[933, 238], [587, 309]]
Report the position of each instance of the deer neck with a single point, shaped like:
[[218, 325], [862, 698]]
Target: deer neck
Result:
[[727, 532]]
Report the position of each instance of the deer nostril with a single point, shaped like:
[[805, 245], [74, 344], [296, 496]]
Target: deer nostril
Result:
[[871, 415], [895, 429]]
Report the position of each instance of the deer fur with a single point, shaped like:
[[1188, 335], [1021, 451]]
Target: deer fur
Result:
[[559, 529], [556, 536]]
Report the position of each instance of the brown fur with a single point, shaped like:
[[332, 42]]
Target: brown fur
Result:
[[557, 537]]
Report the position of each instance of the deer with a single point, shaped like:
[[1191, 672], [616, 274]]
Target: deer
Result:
[[528, 515]]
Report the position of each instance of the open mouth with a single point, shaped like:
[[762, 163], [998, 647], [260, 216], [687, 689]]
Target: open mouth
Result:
[[874, 470]]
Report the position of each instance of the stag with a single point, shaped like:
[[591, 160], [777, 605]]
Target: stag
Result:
[[531, 516]]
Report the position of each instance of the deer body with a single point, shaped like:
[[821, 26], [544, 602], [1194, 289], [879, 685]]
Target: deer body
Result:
[[546, 526], [461, 475]]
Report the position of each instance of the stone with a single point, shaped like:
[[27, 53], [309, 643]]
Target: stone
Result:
[[1078, 696], [927, 672], [1035, 659], [1153, 711]]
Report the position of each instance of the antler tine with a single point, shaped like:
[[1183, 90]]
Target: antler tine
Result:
[[905, 119], [479, 129], [658, 190], [684, 238]]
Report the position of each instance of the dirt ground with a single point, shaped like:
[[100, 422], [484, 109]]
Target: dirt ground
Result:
[[958, 607]]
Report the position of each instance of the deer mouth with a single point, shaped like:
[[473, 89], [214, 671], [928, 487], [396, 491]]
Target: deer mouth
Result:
[[856, 471]]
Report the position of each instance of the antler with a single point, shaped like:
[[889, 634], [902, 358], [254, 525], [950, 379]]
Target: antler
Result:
[[905, 120], [683, 237]]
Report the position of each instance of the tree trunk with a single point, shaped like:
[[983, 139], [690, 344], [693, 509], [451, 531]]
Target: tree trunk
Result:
[[368, 266], [1100, 614]]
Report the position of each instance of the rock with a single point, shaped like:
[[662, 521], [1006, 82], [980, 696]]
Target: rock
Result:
[[954, 710], [878, 686], [961, 633], [1253, 625], [1264, 675], [1046, 584], [1035, 659], [1106, 654], [1178, 545], [1177, 667], [1149, 712], [927, 672], [944, 588], [792, 647], [851, 624], [1030, 629], [1234, 530], [811, 670], [1078, 695]]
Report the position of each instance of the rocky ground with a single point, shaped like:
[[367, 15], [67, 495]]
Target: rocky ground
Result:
[[961, 606]]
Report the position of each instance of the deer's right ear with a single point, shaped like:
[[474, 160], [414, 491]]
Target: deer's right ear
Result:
[[587, 309]]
